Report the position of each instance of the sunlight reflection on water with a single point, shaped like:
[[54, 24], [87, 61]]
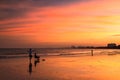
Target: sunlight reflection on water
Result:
[[98, 67], [62, 68]]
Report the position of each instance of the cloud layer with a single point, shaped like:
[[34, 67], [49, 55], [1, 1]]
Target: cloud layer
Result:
[[18, 8], [53, 21]]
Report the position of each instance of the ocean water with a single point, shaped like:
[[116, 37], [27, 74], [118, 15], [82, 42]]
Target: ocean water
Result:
[[60, 64], [23, 52]]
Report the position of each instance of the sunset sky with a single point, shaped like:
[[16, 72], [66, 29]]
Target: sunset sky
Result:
[[56, 23]]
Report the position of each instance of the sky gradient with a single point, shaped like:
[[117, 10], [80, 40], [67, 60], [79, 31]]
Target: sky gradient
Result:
[[55, 23]]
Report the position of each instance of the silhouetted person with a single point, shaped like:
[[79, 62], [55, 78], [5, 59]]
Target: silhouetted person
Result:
[[91, 52], [36, 57], [30, 53]]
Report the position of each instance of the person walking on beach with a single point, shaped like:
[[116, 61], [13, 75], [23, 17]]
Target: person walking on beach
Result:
[[91, 52]]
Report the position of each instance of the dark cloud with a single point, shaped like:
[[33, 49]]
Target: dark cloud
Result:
[[8, 13], [7, 26], [54, 2], [12, 2], [14, 9], [40, 2], [18, 23]]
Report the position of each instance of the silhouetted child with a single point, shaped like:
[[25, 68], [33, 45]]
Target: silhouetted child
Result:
[[35, 56]]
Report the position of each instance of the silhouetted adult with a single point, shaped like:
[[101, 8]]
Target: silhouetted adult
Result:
[[91, 52], [30, 52]]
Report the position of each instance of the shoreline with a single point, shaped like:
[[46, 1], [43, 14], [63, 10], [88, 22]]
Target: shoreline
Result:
[[61, 68]]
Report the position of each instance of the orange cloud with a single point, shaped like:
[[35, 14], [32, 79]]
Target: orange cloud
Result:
[[87, 23]]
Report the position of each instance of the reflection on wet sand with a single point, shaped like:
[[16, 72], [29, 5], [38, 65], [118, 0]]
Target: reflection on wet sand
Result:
[[61, 68], [36, 61], [30, 66]]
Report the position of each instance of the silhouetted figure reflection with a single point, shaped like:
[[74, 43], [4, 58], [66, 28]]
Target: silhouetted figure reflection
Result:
[[30, 66], [36, 61]]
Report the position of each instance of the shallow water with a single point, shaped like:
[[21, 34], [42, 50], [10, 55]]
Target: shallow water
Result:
[[98, 67], [23, 52]]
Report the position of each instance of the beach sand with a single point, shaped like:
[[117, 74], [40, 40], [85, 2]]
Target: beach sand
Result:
[[102, 67]]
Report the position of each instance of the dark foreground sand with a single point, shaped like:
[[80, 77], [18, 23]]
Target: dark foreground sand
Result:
[[61, 68]]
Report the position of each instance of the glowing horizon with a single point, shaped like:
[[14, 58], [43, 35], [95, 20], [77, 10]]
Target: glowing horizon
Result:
[[50, 23]]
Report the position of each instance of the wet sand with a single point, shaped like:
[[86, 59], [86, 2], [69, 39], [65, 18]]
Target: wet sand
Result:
[[101, 67]]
